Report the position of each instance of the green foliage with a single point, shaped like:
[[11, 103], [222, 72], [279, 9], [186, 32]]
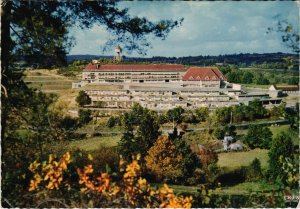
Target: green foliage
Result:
[[247, 77], [190, 161], [146, 134], [289, 34], [128, 146], [175, 115], [277, 111], [83, 99], [234, 77], [258, 109], [258, 137], [282, 147], [202, 113], [189, 117], [230, 130], [261, 80], [292, 115], [162, 118], [111, 122], [254, 171], [85, 116], [219, 133], [222, 115]]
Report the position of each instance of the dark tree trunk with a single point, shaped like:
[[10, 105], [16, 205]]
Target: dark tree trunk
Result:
[[5, 57]]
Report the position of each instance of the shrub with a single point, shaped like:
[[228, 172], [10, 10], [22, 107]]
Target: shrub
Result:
[[102, 190], [85, 116], [83, 99], [164, 160], [254, 171], [258, 136], [111, 122]]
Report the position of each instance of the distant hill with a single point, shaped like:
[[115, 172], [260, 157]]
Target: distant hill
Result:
[[238, 59], [71, 58]]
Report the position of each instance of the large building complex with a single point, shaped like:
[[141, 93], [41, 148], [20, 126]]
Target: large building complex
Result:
[[95, 73], [162, 86]]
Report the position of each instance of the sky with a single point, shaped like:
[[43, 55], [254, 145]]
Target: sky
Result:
[[209, 28]]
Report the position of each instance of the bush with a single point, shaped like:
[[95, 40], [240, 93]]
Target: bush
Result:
[[111, 122], [85, 116], [77, 185], [83, 99], [219, 133], [254, 171], [258, 137]]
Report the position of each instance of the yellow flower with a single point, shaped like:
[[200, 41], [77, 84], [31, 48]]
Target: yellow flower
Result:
[[90, 157]]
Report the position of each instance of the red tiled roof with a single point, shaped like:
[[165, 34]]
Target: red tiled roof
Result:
[[168, 67], [203, 73]]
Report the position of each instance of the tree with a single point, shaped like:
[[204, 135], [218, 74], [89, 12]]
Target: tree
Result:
[[254, 171], [190, 161], [289, 34], [175, 115], [281, 147], [147, 132], [128, 146], [164, 160], [247, 77], [38, 32], [234, 77], [111, 122], [222, 115], [219, 133], [85, 116], [258, 136], [258, 108], [202, 113], [83, 99]]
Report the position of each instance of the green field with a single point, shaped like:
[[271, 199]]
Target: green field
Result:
[[234, 160], [256, 86], [94, 143], [285, 128], [239, 189], [246, 188]]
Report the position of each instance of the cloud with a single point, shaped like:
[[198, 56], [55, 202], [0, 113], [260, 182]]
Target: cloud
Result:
[[208, 27]]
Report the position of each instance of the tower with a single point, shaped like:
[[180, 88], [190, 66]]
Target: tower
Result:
[[118, 54]]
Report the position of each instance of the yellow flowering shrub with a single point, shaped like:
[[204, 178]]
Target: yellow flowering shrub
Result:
[[51, 172], [130, 190]]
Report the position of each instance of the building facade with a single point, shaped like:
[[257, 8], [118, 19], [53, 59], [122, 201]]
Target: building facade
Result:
[[167, 73]]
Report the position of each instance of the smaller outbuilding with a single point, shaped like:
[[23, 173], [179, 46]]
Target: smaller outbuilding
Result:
[[235, 147]]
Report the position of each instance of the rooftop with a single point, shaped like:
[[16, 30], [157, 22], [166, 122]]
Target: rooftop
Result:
[[143, 67], [203, 73]]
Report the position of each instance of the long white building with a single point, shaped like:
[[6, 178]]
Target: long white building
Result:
[[209, 77]]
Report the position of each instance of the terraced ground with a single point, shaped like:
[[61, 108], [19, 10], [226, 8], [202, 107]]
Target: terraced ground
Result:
[[49, 81]]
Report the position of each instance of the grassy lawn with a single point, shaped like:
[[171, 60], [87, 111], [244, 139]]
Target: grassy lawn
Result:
[[239, 189], [94, 143], [234, 160], [256, 86], [178, 189], [285, 128], [246, 188]]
